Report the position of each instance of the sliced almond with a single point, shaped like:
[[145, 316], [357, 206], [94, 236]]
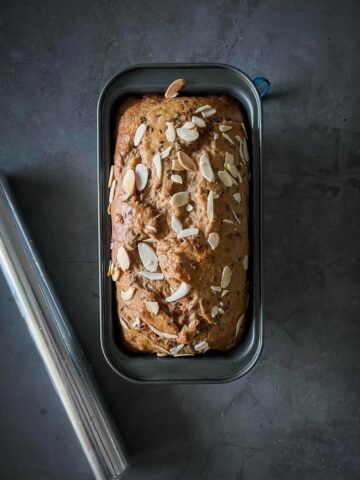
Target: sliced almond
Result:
[[139, 134], [189, 207], [214, 311], [246, 151], [225, 128], [123, 259], [246, 262], [150, 228], [238, 138], [152, 307], [176, 225], [137, 324], [232, 169], [176, 349], [124, 324], [152, 275], [213, 240], [226, 220], [221, 310], [236, 217], [188, 232], [110, 269], [187, 135], [206, 168], [226, 277], [199, 122], [216, 136], [228, 138], [176, 165], [170, 132], [170, 336], [176, 178], [189, 125], [116, 274], [148, 257], [141, 176], [157, 164], [239, 324], [224, 292], [112, 191], [210, 206], [128, 183], [125, 197], [150, 240], [173, 89], [229, 158], [180, 199], [165, 153], [181, 292], [208, 113], [201, 109], [225, 178], [215, 288], [109, 209], [186, 161], [202, 346], [127, 294], [111, 176], [237, 197], [163, 351], [244, 129], [239, 176], [241, 152]]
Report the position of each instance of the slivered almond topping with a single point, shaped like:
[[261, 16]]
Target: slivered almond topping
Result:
[[229, 158], [215, 288], [111, 245], [109, 209], [139, 134], [232, 169], [199, 122], [239, 176], [111, 176], [246, 151], [214, 311], [241, 152], [124, 324], [228, 138], [238, 324], [125, 197], [162, 334], [189, 125], [226, 220], [206, 168], [187, 135], [225, 128], [216, 136], [127, 294], [116, 274], [165, 153], [245, 132], [237, 197], [128, 183], [137, 324], [224, 292], [201, 109], [186, 161], [123, 259], [226, 277], [141, 176], [157, 164], [163, 351], [170, 132], [208, 113], [180, 199], [221, 310], [173, 89], [181, 292], [202, 346], [176, 349], [112, 191], [152, 275], [176, 225], [176, 178], [176, 165], [150, 228], [213, 240], [188, 232], [221, 304], [225, 178], [148, 257], [152, 307], [150, 240], [236, 217], [238, 138], [189, 207], [246, 262], [210, 206], [110, 269]]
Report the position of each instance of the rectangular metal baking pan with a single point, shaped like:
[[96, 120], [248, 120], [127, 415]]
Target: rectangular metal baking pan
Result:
[[213, 367]]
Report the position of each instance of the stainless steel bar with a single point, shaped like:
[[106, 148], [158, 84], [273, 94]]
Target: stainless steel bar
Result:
[[57, 345]]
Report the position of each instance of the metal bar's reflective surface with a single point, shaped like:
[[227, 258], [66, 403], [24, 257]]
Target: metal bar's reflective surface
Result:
[[57, 345]]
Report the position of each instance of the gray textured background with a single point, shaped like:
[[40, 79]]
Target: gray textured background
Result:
[[296, 416]]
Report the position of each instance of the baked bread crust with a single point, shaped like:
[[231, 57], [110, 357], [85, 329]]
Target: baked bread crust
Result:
[[205, 317]]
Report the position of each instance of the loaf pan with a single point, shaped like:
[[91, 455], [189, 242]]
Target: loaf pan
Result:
[[213, 367]]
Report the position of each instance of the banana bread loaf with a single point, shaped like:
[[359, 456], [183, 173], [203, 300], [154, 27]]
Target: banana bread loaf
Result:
[[179, 190]]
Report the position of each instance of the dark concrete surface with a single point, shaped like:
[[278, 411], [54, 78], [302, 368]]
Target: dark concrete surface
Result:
[[296, 415]]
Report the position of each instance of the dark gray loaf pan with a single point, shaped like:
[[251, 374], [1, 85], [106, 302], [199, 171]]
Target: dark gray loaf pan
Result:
[[213, 367]]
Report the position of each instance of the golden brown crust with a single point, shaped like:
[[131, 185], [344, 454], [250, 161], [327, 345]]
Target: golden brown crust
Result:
[[147, 215]]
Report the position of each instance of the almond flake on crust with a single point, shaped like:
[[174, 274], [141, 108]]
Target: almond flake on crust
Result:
[[181, 292], [173, 89], [169, 336], [139, 134], [152, 307], [226, 277]]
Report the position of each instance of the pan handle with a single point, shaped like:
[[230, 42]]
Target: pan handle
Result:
[[262, 85]]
